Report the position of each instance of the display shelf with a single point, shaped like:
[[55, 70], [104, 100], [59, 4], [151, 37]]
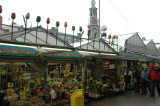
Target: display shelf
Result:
[[109, 69]]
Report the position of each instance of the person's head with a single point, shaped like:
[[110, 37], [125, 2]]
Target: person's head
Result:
[[151, 66]]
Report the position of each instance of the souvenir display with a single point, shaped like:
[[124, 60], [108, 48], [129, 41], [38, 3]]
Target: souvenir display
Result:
[[25, 84]]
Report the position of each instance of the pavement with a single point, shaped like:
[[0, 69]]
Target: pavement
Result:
[[128, 99]]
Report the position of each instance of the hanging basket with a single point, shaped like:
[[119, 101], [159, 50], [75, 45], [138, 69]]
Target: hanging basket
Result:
[[39, 60]]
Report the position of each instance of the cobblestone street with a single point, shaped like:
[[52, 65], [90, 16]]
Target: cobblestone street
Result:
[[128, 99]]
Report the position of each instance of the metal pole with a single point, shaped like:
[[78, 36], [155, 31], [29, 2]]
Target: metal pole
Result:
[[25, 31], [12, 31], [99, 44], [65, 37], [80, 39], [56, 35], [104, 46], [117, 45], [73, 38], [93, 42], [36, 32], [113, 43], [99, 18], [88, 44], [47, 34]]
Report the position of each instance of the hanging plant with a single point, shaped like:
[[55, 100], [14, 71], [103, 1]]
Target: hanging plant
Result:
[[39, 60], [76, 62], [99, 62]]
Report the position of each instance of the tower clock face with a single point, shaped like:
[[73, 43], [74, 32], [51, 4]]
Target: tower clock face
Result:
[[94, 20]]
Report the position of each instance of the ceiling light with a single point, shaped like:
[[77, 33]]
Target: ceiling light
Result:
[[88, 52], [8, 44], [56, 49], [108, 54]]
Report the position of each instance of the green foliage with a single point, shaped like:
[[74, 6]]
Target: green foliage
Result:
[[76, 62], [99, 62], [40, 61]]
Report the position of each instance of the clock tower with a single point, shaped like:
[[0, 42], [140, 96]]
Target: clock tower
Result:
[[93, 23]]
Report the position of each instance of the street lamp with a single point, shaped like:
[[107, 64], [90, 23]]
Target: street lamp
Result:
[[38, 19], [65, 25], [48, 22], [73, 29], [80, 29], [25, 23], [13, 16], [57, 25]]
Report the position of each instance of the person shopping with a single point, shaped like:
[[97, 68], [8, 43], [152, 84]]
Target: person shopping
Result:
[[127, 78], [152, 78], [143, 81]]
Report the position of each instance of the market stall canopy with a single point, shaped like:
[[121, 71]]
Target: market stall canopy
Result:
[[17, 50], [37, 36], [94, 47], [70, 54], [130, 56]]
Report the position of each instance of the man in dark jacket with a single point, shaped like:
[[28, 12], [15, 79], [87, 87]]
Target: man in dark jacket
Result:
[[127, 78], [152, 78]]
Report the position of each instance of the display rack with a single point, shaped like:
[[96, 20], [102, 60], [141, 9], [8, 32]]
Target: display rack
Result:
[[109, 69]]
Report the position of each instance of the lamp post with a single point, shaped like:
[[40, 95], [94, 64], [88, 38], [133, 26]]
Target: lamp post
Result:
[[13, 16], [38, 19], [57, 25], [48, 22], [65, 26], [80, 29], [25, 23], [73, 29]]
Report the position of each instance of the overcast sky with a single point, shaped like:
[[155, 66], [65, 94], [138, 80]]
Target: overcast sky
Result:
[[120, 16]]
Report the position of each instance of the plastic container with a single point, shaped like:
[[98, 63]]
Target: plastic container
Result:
[[77, 98]]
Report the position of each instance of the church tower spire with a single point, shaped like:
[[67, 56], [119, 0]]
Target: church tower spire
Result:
[[93, 24]]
